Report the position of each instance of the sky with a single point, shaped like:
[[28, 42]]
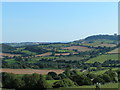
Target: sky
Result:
[[57, 21]]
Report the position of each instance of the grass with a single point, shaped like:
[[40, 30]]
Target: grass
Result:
[[115, 50], [108, 85], [106, 45], [36, 59], [70, 58], [10, 61], [99, 72], [28, 52], [51, 81], [103, 71], [103, 58]]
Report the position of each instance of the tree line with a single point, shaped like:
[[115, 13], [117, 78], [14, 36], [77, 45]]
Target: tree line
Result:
[[69, 78]]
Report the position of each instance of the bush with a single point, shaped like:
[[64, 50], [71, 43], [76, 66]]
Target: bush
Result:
[[81, 80], [53, 74], [31, 80], [106, 78], [62, 76], [10, 80], [49, 77], [63, 83], [42, 83], [91, 75], [99, 80]]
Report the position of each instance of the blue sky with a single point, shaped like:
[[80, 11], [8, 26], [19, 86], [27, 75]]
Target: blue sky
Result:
[[54, 21]]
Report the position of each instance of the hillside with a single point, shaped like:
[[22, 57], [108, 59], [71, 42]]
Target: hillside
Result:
[[111, 39], [77, 54]]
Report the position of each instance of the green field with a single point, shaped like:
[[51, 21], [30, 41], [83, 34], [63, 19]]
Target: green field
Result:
[[103, 71], [108, 85], [10, 61], [71, 58], [103, 58]]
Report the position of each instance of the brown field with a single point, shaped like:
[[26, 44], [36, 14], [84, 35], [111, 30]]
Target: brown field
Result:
[[106, 45], [117, 50], [31, 71], [64, 54], [45, 54], [9, 55], [79, 48]]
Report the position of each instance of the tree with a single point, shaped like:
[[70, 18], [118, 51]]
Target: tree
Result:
[[62, 75], [42, 83], [31, 80], [18, 83], [53, 74], [7, 80], [10, 80], [113, 75], [63, 83], [91, 75], [49, 77], [99, 80], [106, 78], [81, 79]]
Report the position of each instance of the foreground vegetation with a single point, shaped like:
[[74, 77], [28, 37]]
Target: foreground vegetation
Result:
[[69, 78]]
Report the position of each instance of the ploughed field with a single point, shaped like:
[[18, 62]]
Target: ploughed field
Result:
[[31, 71]]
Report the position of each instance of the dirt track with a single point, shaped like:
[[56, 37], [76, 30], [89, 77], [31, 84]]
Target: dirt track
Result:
[[30, 71]]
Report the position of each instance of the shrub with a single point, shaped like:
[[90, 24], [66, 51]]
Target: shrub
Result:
[[49, 77], [99, 80], [81, 80], [63, 83], [53, 74]]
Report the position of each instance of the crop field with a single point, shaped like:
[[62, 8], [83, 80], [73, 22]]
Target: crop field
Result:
[[45, 54], [10, 61], [115, 51], [72, 58], [60, 51], [31, 71], [9, 55], [106, 45], [64, 54], [90, 44], [103, 58], [79, 48]]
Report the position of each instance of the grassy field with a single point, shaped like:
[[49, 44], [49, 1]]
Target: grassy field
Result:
[[108, 85], [78, 48], [51, 81], [10, 61], [103, 58], [103, 71], [106, 45], [70, 58], [114, 51]]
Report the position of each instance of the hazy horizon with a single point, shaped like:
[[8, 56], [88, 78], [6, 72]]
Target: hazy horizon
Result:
[[58, 22]]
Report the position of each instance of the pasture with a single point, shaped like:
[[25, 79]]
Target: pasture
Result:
[[114, 51], [103, 58], [106, 45], [78, 48]]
